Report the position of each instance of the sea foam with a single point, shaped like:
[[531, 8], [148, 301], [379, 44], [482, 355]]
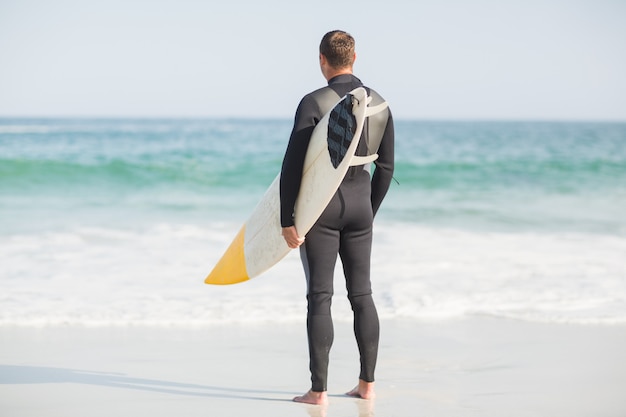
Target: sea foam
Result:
[[154, 276]]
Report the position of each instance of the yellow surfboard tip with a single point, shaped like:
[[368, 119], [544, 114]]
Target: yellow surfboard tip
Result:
[[231, 268]]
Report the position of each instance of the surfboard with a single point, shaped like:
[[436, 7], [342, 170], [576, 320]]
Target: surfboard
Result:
[[259, 244]]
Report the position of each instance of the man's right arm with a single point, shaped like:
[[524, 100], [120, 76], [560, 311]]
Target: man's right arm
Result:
[[383, 173]]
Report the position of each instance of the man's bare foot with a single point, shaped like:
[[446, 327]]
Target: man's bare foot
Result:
[[364, 390], [313, 397]]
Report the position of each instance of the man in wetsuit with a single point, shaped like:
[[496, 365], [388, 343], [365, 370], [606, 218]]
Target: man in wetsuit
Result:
[[345, 227]]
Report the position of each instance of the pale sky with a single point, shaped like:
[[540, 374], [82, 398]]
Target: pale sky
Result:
[[533, 59]]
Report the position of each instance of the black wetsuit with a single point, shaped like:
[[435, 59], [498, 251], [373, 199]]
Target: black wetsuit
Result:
[[344, 228]]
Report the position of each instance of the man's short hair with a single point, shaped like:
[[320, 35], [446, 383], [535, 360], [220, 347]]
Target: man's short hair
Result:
[[338, 48]]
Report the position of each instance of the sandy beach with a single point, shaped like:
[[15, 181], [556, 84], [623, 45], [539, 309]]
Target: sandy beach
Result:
[[473, 367]]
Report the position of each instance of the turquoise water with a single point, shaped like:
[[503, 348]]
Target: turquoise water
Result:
[[117, 222], [566, 176], [512, 175]]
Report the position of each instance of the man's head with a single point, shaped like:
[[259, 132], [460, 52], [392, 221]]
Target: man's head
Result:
[[337, 52]]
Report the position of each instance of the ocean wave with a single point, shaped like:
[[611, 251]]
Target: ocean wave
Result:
[[191, 171], [96, 276], [556, 175], [50, 175], [429, 155]]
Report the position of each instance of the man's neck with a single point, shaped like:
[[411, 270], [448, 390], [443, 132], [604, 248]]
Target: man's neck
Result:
[[332, 73]]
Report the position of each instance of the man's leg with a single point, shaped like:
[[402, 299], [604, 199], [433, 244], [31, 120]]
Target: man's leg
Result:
[[355, 251], [319, 255], [355, 254]]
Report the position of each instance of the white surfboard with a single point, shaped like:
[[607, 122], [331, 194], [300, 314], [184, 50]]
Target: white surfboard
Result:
[[259, 245]]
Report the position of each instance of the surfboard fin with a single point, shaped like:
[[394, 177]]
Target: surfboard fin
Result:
[[362, 160], [369, 111]]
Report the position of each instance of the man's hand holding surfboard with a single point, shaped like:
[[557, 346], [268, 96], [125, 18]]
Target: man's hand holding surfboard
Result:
[[291, 237]]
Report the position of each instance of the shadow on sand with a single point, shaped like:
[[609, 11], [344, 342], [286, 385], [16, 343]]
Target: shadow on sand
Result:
[[12, 374]]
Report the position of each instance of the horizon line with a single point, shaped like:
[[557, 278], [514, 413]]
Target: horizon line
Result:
[[282, 118]]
